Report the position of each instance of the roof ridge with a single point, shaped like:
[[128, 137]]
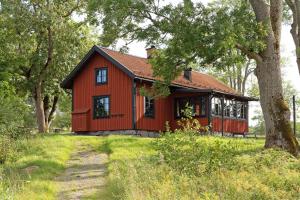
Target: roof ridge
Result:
[[127, 54]]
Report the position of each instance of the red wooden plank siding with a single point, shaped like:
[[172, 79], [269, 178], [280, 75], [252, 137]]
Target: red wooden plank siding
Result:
[[230, 125], [162, 112], [119, 88]]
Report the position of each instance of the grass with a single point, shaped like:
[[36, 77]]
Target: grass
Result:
[[47, 155], [138, 171]]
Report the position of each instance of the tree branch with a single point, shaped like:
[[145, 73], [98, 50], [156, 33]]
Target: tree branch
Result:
[[250, 54], [53, 108], [72, 10]]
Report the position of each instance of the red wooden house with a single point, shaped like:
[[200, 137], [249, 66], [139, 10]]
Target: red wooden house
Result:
[[106, 97]]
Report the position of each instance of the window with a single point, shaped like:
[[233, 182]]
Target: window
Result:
[[148, 107], [101, 76], [233, 108], [180, 105], [203, 106], [227, 108], [198, 105], [101, 107], [242, 110], [216, 106]]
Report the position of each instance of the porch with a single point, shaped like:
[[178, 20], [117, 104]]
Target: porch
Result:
[[223, 113]]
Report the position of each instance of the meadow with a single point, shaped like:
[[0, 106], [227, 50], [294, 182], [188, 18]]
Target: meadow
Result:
[[176, 166]]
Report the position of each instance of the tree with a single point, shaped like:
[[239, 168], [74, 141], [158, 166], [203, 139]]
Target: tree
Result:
[[236, 75], [43, 43], [288, 93], [294, 6], [191, 33]]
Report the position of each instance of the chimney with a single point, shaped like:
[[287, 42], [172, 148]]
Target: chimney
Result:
[[150, 51], [187, 74]]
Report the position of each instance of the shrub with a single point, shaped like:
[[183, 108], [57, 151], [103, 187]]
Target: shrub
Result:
[[13, 110], [5, 148]]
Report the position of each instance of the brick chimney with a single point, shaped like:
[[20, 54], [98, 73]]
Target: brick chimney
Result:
[[150, 51], [187, 74]]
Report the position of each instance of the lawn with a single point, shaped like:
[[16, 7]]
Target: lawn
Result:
[[225, 168]]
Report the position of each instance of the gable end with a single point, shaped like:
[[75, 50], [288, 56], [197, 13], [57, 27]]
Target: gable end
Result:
[[68, 81]]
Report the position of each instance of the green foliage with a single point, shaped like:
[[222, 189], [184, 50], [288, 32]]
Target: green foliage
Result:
[[190, 33], [41, 42], [63, 116], [13, 111]]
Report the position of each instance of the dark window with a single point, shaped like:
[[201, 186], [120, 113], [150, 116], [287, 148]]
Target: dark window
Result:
[[181, 104], [233, 109], [198, 105], [227, 108], [101, 76], [101, 107], [242, 110], [216, 106], [149, 107], [203, 106]]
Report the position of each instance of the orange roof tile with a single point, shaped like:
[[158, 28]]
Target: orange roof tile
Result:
[[142, 68]]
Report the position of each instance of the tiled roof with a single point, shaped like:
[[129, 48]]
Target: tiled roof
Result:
[[140, 67]]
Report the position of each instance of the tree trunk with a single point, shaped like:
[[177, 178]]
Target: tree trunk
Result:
[[275, 110], [46, 103], [39, 108], [239, 79], [247, 72], [295, 27]]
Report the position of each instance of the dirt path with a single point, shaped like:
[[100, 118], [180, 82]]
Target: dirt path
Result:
[[84, 176]]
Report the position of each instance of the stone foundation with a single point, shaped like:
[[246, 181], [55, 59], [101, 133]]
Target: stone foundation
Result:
[[123, 132]]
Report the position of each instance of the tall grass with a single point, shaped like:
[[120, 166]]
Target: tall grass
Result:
[[138, 172]]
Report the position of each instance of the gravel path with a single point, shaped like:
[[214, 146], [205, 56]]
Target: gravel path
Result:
[[84, 176]]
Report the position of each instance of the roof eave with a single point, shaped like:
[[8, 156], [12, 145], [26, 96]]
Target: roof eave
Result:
[[236, 96], [68, 81]]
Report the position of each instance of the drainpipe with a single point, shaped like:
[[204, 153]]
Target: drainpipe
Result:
[[133, 104]]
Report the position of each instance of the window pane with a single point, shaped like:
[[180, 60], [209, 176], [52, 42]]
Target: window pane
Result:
[[101, 107], [203, 106], [148, 107], [101, 75], [104, 75]]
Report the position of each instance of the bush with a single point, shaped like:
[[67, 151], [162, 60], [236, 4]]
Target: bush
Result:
[[13, 110], [5, 149]]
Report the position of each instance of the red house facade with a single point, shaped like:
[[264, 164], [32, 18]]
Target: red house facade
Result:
[[106, 97]]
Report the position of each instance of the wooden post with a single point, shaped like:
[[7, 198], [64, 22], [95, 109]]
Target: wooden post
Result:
[[210, 96], [222, 106], [294, 113]]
